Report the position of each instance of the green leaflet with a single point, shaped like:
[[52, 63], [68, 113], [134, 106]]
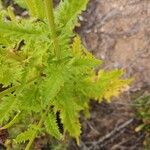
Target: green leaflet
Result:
[[85, 63], [7, 108], [12, 29], [7, 69], [52, 126], [70, 118], [28, 99], [52, 85], [69, 111], [26, 135], [83, 59], [12, 122], [109, 84], [69, 9]]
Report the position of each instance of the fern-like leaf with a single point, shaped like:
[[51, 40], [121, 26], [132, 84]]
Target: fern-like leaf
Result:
[[70, 118], [26, 135], [52, 126], [109, 84], [52, 84], [12, 29], [7, 107], [69, 9]]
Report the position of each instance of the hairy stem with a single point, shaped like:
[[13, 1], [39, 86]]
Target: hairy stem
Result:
[[52, 26]]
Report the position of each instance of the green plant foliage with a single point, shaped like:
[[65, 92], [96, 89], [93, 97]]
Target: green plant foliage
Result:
[[40, 83], [7, 108], [143, 112], [51, 126], [26, 135]]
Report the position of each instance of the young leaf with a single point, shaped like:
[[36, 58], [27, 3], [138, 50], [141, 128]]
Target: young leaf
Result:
[[109, 84]]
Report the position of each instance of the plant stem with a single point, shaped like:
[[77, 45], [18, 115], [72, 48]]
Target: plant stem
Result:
[[51, 23], [34, 135], [39, 126], [11, 123]]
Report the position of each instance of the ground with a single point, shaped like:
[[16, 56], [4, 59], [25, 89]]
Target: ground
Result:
[[117, 32]]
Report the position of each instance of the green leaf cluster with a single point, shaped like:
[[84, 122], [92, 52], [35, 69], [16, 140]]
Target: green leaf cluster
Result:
[[142, 106], [39, 84]]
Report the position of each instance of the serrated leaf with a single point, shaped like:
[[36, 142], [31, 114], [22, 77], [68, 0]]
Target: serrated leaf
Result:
[[86, 63], [25, 136], [83, 58], [69, 9], [70, 116], [52, 126], [7, 107], [12, 29], [110, 84], [53, 83], [29, 99]]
